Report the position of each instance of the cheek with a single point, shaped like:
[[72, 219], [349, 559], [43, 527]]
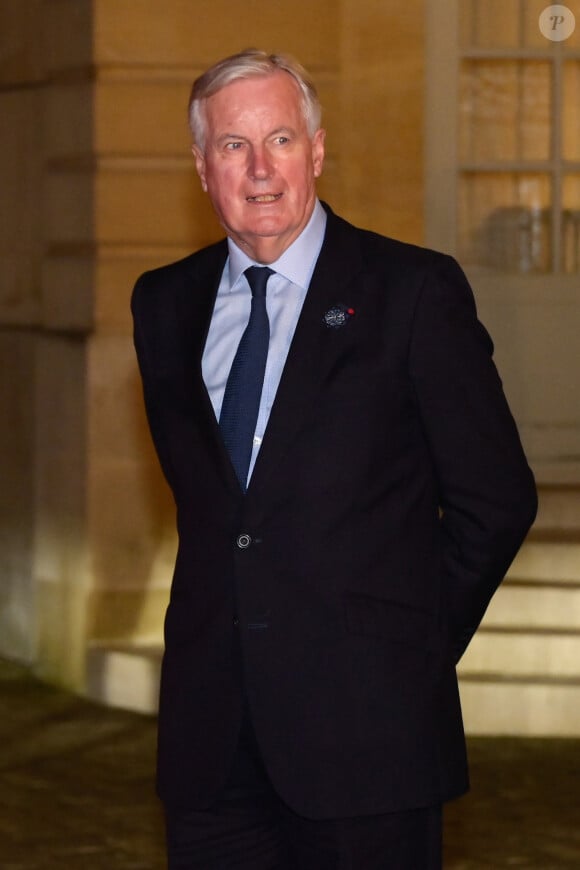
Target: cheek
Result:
[[222, 177], [223, 189], [292, 177], [302, 182]]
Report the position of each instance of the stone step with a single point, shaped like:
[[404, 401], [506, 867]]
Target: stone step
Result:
[[535, 604], [561, 474], [548, 560], [125, 675], [498, 704], [558, 508], [541, 653]]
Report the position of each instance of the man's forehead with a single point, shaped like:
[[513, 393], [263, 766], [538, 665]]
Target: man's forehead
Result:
[[256, 102], [273, 83]]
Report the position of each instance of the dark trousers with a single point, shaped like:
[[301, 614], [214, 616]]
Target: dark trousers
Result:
[[250, 828]]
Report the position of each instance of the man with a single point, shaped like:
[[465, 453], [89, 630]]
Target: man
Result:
[[350, 491]]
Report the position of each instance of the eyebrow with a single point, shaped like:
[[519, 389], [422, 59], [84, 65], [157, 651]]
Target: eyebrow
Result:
[[236, 136], [279, 130]]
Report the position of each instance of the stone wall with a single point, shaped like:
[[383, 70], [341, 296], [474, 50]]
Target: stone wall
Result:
[[98, 185]]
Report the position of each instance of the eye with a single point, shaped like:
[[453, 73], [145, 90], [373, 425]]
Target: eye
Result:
[[233, 146], [282, 140]]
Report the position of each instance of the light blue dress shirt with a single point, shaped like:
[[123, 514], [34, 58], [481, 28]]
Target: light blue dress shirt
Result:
[[284, 299]]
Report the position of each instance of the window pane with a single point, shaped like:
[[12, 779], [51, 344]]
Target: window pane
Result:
[[504, 110], [533, 36], [507, 24], [571, 223], [571, 110], [504, 221], [490, 23]]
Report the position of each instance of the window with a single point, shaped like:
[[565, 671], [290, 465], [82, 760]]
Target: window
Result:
[[502, 194], [517, 137]]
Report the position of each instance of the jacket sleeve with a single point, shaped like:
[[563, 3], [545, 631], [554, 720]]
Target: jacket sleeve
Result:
[[144, 303], [486, 489]]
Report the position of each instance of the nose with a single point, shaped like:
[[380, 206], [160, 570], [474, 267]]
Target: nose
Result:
[[260, 163]]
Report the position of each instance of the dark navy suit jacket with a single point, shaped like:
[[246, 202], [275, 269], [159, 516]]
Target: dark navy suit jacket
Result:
[[389, 497]]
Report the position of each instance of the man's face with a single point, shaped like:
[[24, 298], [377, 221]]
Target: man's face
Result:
[[259, 164]]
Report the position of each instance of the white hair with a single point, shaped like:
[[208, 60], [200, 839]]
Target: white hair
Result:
[[248, 64]]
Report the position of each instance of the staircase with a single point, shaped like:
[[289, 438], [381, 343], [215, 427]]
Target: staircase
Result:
[[521, 672]]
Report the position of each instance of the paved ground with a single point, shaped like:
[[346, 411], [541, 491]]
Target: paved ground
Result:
[[76, 791]]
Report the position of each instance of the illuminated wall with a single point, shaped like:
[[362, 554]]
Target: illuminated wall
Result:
[[97, 185]]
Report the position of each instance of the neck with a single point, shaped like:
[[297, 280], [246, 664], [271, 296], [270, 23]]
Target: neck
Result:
[[267, 249], [264, 250]]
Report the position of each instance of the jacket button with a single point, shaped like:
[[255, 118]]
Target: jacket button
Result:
[[243, 541]]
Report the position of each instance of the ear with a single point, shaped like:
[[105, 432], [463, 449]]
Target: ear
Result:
[[199, 165], [318, 151]]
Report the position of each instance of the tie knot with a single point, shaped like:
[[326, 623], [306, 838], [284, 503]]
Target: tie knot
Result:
[[258, 278]]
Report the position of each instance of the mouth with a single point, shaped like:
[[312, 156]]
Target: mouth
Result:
[[264, 198]]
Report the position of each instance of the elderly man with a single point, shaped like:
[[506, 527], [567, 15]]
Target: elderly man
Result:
[[350, 491]]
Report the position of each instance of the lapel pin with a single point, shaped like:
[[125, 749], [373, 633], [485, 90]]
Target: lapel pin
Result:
[[337, 316]]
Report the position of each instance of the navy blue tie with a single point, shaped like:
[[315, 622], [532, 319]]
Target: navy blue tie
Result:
[[243, 391]]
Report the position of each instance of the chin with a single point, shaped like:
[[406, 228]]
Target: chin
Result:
[[269, 227]]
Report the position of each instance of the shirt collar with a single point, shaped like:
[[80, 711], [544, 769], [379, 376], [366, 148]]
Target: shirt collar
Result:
[[296, 263]]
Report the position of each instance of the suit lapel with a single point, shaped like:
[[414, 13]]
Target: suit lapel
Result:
[[194, 308], [315, 347]]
